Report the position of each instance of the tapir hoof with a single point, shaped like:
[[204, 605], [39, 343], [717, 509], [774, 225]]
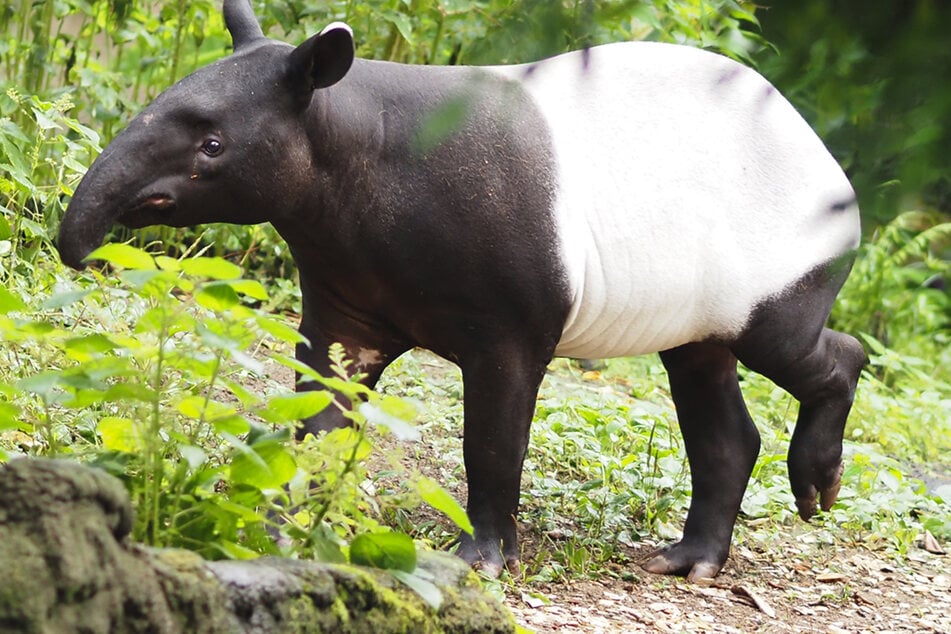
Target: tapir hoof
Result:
[[823, 497], [674, 560], [487, 561]]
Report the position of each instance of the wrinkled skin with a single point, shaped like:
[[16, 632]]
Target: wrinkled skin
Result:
[[449, 247]]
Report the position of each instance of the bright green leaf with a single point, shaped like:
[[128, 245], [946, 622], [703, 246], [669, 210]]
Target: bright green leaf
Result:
[[217, 296], [297, 406], [211, 267], [234, 425], [279, 330], [124, 255], [10, 302], [237, 551], [390, 551], [121, 434], [440, 499], [167, 263], [9, 416], [265, 465], [89, 344], [251, 288]]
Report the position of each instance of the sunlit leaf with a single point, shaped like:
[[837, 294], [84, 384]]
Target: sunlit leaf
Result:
[[250, 288], [123, 255], [9, 416], [10, 302], [379, 413], [211, 267], [297, 406], [120, 434], [279, 330], [217, 296], [265, 465], [390, 550], [89, 344], [440, 499]]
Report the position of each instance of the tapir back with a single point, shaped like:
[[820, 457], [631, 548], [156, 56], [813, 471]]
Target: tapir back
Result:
[[688, 192]]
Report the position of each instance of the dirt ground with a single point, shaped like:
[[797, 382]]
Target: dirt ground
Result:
[[794, 587], [795, 583]]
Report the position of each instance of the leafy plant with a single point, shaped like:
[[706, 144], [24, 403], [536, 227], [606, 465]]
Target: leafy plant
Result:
[[896, 291], [39, 165], [159, 401]]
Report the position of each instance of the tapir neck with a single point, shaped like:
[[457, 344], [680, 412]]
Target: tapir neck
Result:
[[374, 137], [421, 166]]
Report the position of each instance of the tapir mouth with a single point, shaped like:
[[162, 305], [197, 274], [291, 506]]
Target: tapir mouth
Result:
[[151, 210]]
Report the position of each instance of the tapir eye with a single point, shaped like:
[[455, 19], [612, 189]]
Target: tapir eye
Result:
[[212, 147]]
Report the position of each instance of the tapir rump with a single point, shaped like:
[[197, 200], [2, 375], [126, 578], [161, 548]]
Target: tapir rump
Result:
[[627, 199]]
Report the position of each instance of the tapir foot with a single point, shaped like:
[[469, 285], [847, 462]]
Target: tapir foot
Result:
[[820, 495], [486, 557], [683, 560]]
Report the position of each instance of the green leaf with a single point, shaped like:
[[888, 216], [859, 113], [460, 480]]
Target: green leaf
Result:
[[390, 412], [279, 330], [41, 383], [217, 296], [265, 465], [326, 549], [401, 21], [123, 255], [231, 425], [194, 456], [121, 434], [198, 407], [89, 344], [251, 288], [59, 300], [237, 551], [130, 391], [9, 416], [212, 267], [167, 263], [10, 302], [426, 589], [440, 499], [390, 551], [297, 406]]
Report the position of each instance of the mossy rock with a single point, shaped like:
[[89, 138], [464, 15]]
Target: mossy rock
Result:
[[70, 567]]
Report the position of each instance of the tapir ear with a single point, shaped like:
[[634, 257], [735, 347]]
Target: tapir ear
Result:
[[241, 23], [324, 59]]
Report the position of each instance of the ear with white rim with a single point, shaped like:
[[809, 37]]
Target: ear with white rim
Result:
[[323, 59]]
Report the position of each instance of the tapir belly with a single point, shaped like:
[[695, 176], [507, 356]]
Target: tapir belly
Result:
[[688, 191]]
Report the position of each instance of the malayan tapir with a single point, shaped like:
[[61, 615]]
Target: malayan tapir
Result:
[[621, 200]]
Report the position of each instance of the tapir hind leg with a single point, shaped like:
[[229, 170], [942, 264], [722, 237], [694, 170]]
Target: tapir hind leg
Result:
[[787, 342], [722, 444], [500, 391]]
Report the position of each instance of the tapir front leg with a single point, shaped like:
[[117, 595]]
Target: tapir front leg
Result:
[[722, 444], [500, 392], [369, 355]]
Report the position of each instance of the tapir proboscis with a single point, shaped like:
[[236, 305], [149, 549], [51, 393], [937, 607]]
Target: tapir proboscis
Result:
[[622, 200]]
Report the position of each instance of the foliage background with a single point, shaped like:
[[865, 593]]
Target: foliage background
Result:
[[74, 71]]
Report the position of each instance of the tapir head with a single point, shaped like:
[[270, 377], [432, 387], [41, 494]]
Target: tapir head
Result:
[[226, 144]]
